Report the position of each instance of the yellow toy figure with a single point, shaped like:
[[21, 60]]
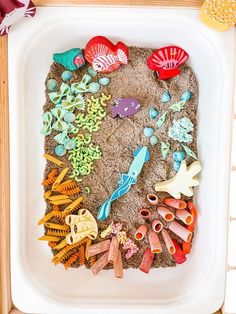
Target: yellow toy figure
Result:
[[219, 14]]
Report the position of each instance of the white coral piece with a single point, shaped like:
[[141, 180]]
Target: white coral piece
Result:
[[182, 182]]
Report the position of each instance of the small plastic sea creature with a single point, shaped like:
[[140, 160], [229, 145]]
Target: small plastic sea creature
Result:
[[179, 155], [141, 156], [153, 113], [153, 140], [177, 107], [60, 150], [52, 85], [166, 61], [165, 149], [104, 56], [72, 59], [66, 75], [186, 96], [165, 97], [161, 120], [104, 81], [179, 130], [148, 132], [81, 226], [125, 107], [182, 182]]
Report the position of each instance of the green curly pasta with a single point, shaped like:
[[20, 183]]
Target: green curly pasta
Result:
[[85, 152]]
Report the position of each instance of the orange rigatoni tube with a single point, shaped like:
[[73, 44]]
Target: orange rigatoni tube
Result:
[[140, 233], [168, 242], [180, 231], [172, 202], [100, 264], [118, 266], [113, 251], [155, 243], [184, 216], [165, 213], [186, 246], [97, 248], [146, 261]]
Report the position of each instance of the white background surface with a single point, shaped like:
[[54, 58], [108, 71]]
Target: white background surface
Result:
[[194, 287]]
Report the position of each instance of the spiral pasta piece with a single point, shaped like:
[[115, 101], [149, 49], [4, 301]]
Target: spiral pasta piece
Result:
[[51, 177], [56, 233], [72, 191], [71, 260], [81, 255], [92, 260]]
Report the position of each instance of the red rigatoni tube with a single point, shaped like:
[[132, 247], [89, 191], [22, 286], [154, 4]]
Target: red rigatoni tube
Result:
[[97, 248], [118, 266], [186, 246], [180, 231], [140, 233], [157, 225], [165, 213], [146, 261], [172, 202], [184, 216], [113, 251], [100, 264], [178, 255], [155, 243], [168, 241]]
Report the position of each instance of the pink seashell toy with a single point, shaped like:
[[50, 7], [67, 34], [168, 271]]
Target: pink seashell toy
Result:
[[166, 61]]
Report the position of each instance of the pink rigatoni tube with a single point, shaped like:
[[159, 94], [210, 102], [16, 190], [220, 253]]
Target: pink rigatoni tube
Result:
[[145, 213], [155, 243], [157, 225], [185, 216], [168, 242], [180, 231], [140, 233], [165, 213], [152, 198], [146, 261]]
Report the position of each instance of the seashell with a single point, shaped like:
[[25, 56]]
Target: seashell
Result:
[[66, 75], [72, 59], [148, 132], [104, 81], [52, 85], [153, 113], [152, 198], [70, 144], [69, 117], [179, 155], [91, 72], [145, 213], [176, 165], [172, 202], [153, 140], [94, 87], [82, 225], [166, 61], [60, 150], [186, 96], [165, 96]]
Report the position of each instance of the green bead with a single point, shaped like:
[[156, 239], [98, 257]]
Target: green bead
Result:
[[91, 72]]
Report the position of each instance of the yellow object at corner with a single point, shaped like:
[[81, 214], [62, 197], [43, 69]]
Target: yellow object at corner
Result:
[[219, 14]]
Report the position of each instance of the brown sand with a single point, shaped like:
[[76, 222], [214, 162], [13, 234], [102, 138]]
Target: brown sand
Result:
[[118, 138]]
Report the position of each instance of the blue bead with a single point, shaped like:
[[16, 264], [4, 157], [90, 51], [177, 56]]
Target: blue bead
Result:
[[69, 117], [176, 165], [186, 96], [94, 87], [179, 155], [148, 132], [66, 76], [60, 150], [153, 113], [104, 81], [52, 85], [153, 140], [165, 97]]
